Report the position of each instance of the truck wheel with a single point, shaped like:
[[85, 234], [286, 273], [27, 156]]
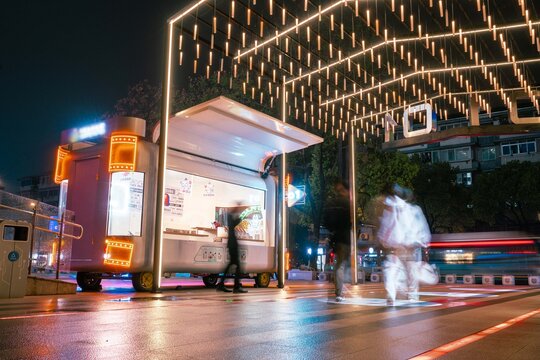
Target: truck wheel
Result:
[[211, 280], [143, 281], [262, 280], [89, 281]]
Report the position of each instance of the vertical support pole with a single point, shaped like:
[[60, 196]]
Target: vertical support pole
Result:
[[59, 248], [32, 237], [283, 239], [352, 202], [162, 162]]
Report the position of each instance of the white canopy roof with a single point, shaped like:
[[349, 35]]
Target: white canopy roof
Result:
[[225, 130]]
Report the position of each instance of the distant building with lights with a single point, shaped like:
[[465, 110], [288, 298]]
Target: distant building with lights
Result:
[[473, 155], [39, 187]]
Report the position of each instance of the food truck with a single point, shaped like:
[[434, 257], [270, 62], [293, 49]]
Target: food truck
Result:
[[217, 152]]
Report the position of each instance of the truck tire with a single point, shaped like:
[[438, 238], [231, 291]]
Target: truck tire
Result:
[[210, 281], [262, 280], [143, 281], [89, 281]]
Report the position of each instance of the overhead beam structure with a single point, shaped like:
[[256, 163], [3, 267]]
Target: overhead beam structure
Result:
[[340, 67]]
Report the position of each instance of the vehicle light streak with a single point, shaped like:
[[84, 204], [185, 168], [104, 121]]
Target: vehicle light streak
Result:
[[480, 243]]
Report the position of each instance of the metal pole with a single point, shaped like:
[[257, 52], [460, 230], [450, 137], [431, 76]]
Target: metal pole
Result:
[[32, 237], [283, 174], [352, 201], [60, 245], [162, 162]]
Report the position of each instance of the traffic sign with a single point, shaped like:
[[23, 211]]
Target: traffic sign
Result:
[[296, 195]]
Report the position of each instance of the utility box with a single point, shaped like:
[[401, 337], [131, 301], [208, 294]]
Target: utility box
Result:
[[14, 257]]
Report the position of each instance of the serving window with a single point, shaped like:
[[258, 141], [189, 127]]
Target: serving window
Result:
[[198, 206]]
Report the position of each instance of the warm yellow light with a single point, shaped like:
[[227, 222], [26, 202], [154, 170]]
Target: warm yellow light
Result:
[[123, 153], [118, 253], [61, 168]]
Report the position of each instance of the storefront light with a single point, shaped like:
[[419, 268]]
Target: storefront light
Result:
[[123, 153]]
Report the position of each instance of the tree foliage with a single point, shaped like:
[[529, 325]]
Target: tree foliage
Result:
[[508, 197], [445, 204], [376, 172]]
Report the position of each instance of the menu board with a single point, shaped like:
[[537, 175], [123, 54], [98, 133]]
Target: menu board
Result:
[[125, 204]]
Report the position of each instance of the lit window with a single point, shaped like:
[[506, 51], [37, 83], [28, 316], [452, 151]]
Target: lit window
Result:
[[488, 154], [464, 179], [463, 154]]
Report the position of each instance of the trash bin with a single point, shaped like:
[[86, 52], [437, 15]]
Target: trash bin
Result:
[[15, 254]]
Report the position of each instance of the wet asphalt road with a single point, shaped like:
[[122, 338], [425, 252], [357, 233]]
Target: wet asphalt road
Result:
[[301, 321]]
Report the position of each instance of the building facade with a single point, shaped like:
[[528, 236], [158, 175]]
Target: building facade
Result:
[[41, 188], [472, 155]]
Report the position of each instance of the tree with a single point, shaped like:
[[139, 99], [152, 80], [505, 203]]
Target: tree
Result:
[[144, 99], [376, 172], [445, 204], [508, 197]]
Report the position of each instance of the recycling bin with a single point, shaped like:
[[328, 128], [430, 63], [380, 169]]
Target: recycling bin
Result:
[[14, 257]]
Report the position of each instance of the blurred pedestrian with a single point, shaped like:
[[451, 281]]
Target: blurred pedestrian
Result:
[[337, 219], [233, 220], [403, 231]]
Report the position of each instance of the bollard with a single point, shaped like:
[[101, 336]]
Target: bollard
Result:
[[450, 279], [487, 280], [508, 280]]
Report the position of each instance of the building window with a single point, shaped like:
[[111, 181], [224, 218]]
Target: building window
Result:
[[464, 178], [521, 147], [488, 153], [451, 155], [435, 157], [463, 154]]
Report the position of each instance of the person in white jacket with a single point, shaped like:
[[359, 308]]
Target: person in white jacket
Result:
[[403, 232]]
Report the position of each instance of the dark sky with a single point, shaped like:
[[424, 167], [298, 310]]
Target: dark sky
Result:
[[63, 64]]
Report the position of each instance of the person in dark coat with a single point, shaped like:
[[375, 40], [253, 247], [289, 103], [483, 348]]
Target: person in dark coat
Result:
[[233, 219], [337, 220]]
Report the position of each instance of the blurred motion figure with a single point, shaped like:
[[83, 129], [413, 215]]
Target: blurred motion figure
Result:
[[403, 231], [337, 219], [233, 220]]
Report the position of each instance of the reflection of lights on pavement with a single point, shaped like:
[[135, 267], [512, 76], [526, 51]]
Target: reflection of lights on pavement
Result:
[[455, 295], [488, 289], [454, 345]]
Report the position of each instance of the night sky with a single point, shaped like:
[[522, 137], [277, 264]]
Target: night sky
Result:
[[64, 64]]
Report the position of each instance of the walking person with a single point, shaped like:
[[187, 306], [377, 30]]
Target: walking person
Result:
[[338, 222], [233, 219], [403, 231]]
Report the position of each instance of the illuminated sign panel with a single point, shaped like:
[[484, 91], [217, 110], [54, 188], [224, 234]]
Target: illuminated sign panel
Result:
[[88, 132], [296, 195], [125, 204], [123, 153], [61, 169], [118, 253]]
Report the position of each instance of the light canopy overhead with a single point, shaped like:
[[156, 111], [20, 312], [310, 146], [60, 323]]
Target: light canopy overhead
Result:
[[345, 64]]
